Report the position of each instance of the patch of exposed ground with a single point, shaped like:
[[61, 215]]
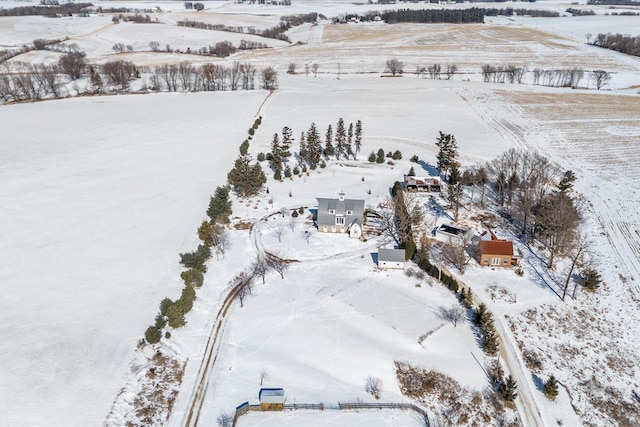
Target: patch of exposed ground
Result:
[[452, 403]]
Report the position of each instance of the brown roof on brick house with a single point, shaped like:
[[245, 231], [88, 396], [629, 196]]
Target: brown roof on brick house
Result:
[[496, 247]]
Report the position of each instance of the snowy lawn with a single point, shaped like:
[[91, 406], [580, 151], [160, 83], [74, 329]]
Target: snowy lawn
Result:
[[99, 197]]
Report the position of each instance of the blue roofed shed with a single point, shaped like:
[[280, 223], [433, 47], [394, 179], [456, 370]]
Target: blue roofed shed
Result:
[[271, 399]]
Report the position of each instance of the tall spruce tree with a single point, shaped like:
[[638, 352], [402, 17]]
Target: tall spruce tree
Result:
[[455, 190], [350, 139], [447, 152], [341, 138], [508, 389], [358, 138], [314, 146], [276, 153], [328, 146], [220, 206], [287, 140], [304, 151], [247, 179]]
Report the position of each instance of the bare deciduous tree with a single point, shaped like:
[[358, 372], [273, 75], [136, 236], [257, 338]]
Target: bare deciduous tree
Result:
[[394, 66], [277, 263], [452, 314], [456, 255], [225, 420], [601, 78], [72, 64], [264, 375], [269, 78], [260, 267], [373, 386], [279, 232]]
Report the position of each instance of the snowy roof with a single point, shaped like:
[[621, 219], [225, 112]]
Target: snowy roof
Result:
[[393, 255], [271, 395], [351, 209]]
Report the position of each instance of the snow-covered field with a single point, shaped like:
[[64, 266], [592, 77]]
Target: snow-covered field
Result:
[[101, 194]]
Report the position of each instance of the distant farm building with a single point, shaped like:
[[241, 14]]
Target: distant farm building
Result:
[[453, 234], [496, 252], [391, 258], [340, 216], [271, 399], [422, 183]]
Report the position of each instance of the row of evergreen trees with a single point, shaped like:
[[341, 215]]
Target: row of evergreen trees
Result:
[[313, 151], [213, 236]]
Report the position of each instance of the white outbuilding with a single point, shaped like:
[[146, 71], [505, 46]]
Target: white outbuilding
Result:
[[391, 258]]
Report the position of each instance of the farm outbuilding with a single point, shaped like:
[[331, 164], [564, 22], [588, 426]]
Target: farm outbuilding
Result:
[[391, 258], [271, 399], [453, 234]]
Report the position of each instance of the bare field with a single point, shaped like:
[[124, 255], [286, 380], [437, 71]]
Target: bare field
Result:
[[601, 128], [465, 45]]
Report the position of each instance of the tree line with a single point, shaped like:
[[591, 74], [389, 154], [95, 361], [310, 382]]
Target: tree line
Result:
[[428, 16], [50, 11], [276, 32], [28, 82], [618, 42], [455, 16]]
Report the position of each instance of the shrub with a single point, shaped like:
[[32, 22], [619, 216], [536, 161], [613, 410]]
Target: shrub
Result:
[[380, 157], [508, 389], [261, 157], [414, 158], [152, 335], [164, 306], [244, 148], [192, 277], [167, 335], [409, 249], [175, 317], [287, 172], [185, 302], [590, 279], [372, 157], [160, 321], [296, 170], [196, 259], [301, 210], [323, 164], [277, 175], [252, 131], [294, 214], [397, 155], [551, 388]]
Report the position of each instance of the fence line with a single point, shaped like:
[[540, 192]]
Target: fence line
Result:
[[342, 406]]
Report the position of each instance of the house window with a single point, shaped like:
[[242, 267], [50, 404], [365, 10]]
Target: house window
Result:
[[349, 212], [325, 228], [332, 211], [339, 220], [495, 261], [505, 261], [485, 261]]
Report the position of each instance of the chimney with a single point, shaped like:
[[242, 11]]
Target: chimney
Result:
[[341, 196]]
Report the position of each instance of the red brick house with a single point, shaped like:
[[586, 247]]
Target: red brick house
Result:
[[496, 252]]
